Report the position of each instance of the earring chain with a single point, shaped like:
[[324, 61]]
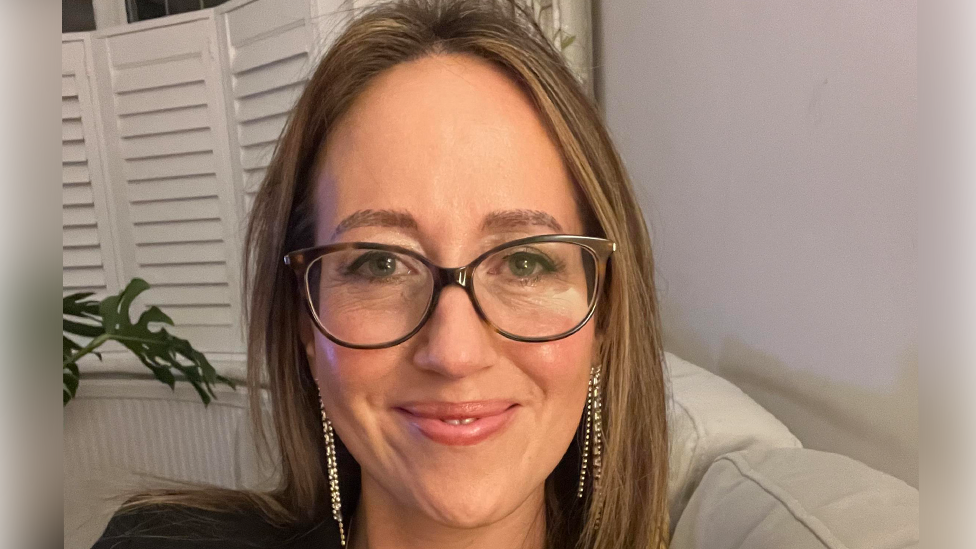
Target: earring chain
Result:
[[333, 472]]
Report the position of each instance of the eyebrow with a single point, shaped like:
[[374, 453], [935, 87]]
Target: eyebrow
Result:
[[497, 221], [395, 219]]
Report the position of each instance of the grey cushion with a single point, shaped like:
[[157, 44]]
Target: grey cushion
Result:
[[710, 417], [799, 499]]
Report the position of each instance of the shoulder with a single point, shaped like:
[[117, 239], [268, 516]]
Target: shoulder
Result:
[[173, 526]]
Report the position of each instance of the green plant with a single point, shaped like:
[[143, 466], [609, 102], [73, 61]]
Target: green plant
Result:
[[98, 322]]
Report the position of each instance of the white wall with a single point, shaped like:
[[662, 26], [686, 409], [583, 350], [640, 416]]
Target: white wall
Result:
[[773, 145]]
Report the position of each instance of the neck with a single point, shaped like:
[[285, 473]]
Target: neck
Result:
[[380, 522]]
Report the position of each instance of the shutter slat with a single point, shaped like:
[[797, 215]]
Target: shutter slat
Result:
[[189, 118], [185, 274], [256, 156], [279, 101], [72, 130], [75, 173], [191, 186], [183, 95], [79, 236], [77, 195], [149, 146], [157, 75], [70, 108], [280, 73], [73, 151], [182, 39], [186, 252], [181, 231], [264, 130], [80, 277], [288, 43], [209, 294], [81, 257], [78, 216], [170, 166], [253, 179], [253, 19], [183, 210], [202, 315], [68, 86]]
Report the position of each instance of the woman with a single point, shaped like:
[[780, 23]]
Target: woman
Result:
[[516, 401]]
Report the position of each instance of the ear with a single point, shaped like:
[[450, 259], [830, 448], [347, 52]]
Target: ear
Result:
[[599, 339], [306, 333]]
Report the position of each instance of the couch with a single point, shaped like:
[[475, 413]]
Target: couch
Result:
[[739, 479]]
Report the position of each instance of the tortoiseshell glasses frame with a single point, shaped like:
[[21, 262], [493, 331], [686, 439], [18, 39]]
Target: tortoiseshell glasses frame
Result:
[[599, 248]]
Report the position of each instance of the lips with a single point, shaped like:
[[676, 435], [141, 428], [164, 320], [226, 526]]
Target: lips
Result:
[[458, 423]]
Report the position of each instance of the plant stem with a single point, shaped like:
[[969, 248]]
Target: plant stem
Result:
[[98, 341], [92, 345]]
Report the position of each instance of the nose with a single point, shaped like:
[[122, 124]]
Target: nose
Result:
[[455, 342]]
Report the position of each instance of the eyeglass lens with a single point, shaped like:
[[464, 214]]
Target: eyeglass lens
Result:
[[373, 297]]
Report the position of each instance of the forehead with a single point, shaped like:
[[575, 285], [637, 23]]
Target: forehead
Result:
[[448, 139]]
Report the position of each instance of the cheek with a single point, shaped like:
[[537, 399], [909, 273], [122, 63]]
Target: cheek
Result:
[[559, 372], [557, 363], [351, 377]]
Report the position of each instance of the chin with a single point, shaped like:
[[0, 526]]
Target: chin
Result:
[[465, 506], [463, 516]]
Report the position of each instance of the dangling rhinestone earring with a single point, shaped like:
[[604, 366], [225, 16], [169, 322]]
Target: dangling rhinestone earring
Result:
[[593, 432], [597, 426], [333, 470]]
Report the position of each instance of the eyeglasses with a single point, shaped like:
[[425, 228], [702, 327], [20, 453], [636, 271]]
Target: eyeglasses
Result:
[[365, 295]]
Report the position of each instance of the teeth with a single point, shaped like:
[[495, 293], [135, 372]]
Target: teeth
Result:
[[464, 421]]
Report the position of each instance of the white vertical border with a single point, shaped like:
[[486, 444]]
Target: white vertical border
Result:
[[223, 52], [29, 474], [947, 227], [97, 123], [221, 49], [232, 205]]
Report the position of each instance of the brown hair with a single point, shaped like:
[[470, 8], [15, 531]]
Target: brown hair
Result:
[[628, 508]]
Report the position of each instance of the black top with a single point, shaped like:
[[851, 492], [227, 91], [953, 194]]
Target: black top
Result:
[[173, 527]]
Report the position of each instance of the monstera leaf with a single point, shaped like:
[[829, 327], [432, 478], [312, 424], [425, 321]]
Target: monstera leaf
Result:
[[91, 323]]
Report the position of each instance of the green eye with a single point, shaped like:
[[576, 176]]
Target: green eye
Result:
[[522, 264], [374, 265], [381, 265]]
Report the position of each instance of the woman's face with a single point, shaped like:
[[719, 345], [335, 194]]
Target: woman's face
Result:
[[456, 151]]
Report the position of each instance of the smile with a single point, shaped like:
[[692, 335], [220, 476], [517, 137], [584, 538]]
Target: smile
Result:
[[457, 424]]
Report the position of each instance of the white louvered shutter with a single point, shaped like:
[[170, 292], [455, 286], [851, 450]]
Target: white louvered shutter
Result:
[[166, 136], [88, 253], [267, 51]]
